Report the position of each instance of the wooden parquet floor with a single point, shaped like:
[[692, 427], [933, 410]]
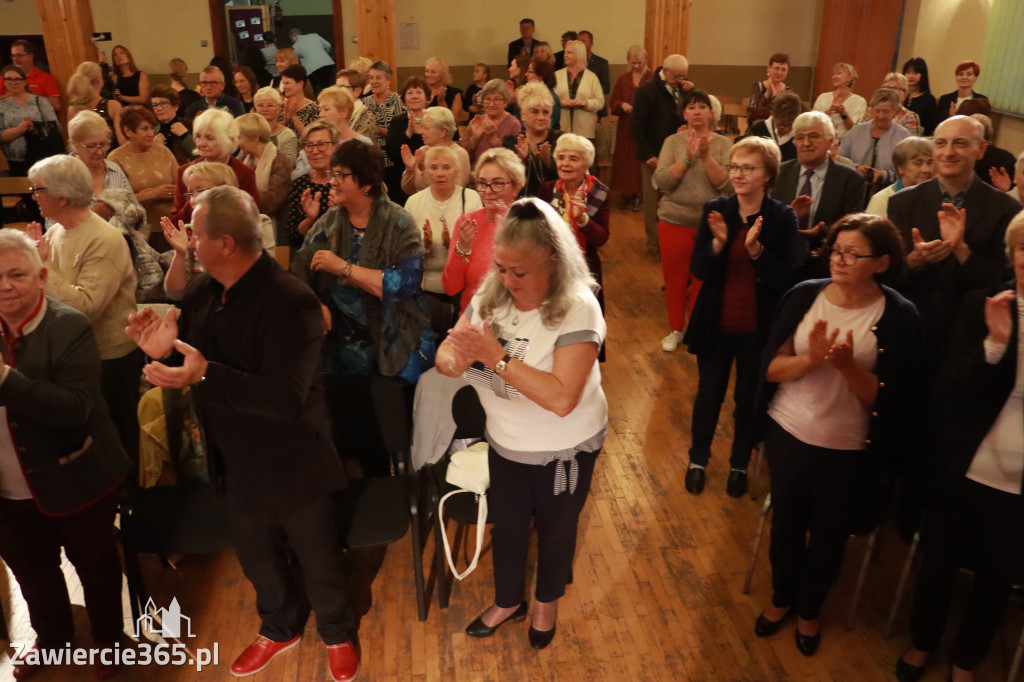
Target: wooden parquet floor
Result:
[[658, 573]]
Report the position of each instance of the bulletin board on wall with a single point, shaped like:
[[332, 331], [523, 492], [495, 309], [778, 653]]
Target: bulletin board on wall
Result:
[[246, 26]]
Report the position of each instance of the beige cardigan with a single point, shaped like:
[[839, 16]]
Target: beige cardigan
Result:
[[580, 121]]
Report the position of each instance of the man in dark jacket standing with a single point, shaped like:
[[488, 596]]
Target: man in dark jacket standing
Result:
[[60, 461], [250, 340], [656, 116]]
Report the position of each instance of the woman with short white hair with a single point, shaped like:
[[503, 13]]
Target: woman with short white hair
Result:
[[438, 130], [268, 103], [580, 92], [89, 138], [535, 145], [216, 136]]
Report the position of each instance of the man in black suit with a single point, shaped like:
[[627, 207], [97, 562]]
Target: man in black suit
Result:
[[599, 65], [655, 117], [249, 349], [525, 43], [820, 190], [952, 227], [560, 55]]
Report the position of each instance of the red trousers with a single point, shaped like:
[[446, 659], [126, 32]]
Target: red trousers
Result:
[[676, 244]]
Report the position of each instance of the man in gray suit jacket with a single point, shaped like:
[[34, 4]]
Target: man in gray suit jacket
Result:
[[953, 227]]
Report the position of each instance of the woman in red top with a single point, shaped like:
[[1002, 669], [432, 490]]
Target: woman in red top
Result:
[[746, 252], [625, 165], [499, 176]]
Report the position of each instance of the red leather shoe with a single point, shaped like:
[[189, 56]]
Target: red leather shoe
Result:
[[24, 670], [343, 660], [259, 654]]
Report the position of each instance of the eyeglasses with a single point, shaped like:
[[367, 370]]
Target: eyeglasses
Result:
[[340, 177], [495, 101], [494, 186], [211, 82], [14, 80], [160, 103], [16, 55], [741, 170], [318, 146], [36, 189], [847, 257], [95, 146], [813, 138], [192, 195]]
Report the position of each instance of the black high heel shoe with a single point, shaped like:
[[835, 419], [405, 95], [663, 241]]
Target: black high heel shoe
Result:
[[480, 629], [541, 638], [905, 672], [807, 644], [766, 628]]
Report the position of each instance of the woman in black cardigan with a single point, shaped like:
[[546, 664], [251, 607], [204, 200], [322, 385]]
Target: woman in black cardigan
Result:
[[979, 508], [840, 380], [746, 251]]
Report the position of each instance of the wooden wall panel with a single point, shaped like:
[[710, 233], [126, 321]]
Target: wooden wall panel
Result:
[[67, 32], [219, 29], [375, 27], [862, 33], [666, 29]]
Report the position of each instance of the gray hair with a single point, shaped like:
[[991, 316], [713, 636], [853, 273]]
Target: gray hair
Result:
[[885, 95], [808, 119], [223, 126], [232, 212], [576, 143], [19, 242], [909, 148], [636, 52], [268, 93], [535, 221], [676, 62], [495, 86], [381, 65], [901, 82], [442, 118], [532, 94], [1013, 237], [441, 150], [86, 124], [505, 159], [64, 176], [786, 106]]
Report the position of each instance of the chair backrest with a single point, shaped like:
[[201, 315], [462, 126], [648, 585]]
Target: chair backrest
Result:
[[468, 413], [393, 409]]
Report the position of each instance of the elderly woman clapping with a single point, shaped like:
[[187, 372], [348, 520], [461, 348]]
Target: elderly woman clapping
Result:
[[442, 94], [580, 92], [914, 164], [216, 135], [528, 343], [535, 145], [486, 130], [870, 144], [842, 104], [437, 131]]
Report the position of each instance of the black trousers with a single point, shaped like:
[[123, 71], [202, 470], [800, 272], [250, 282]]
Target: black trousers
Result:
[[30, 543], [714, 367], [517, 493], [814, 491], [322, 78], [977, 527], [282, 604], [119, 382]]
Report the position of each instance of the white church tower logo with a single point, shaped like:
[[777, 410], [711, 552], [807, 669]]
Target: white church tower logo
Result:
[[168, 623]]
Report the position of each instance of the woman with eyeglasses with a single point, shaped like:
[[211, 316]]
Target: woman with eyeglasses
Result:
[[19, 112], [536, 144], [364, 259], [690, 172], [543, 71], [269, 104], [405, 134], [216, 136], [170, 131], [499, 176], [840, 369], [336, 105], [308, 198], [89, 138], [746, 252], [486, 130]]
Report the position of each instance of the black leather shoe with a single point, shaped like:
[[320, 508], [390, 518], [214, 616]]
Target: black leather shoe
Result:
[[479, 629], [541, 638], [807, 644], [766, 628], [908, 673], [737, 485], [695, 480]]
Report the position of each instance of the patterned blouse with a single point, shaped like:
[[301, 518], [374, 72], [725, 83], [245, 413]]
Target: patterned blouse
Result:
[[391, 108], [293, 205], [307, 115]]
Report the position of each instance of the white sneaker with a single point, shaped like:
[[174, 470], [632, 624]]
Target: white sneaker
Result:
[[671, 342]]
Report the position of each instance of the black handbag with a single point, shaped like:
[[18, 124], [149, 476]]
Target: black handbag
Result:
[[44, 140]]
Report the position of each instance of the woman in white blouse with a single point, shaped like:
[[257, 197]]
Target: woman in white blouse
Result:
[[579, 91], [978, 508], [844, 106]]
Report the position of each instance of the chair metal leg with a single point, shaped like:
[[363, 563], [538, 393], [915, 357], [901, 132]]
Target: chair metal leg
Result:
[[441, 566], [757, 542], [902, 584], [861, 577], [133, 575], [758, 462], [417, 546], [1017, 656]]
